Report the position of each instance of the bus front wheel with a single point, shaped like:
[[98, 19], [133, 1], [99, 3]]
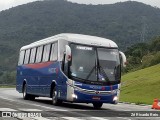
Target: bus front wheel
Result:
[[55, 99], [97, 105]]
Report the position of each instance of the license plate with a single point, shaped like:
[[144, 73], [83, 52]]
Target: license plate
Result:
[[96, 98]]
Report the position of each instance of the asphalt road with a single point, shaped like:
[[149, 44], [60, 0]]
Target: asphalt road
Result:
[[12, 104]]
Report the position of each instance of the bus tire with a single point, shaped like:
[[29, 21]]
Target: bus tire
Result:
[[31, 97], [25, 95], [97, 105], [55, 100]]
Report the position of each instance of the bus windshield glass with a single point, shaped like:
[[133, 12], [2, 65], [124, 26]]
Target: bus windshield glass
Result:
[[93, 64]]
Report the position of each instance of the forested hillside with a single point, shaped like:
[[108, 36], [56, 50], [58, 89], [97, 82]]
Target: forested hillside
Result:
[[142, 55], [126, 23]]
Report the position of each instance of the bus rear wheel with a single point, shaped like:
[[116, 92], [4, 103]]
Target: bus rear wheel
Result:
[[97, 105], [55, 100], [27, 96]]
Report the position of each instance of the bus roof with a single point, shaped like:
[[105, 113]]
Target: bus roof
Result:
[[75, 38]]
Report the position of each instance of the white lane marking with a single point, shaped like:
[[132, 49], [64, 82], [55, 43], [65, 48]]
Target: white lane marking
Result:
[[7, 99], [71, 118], [39, 118], [51, 108], [124, 118], [7, 109], [32, 118], [25, 118], [99, 118], [24, 109]]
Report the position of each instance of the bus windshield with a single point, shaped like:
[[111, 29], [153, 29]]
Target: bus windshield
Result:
[[93, 64]]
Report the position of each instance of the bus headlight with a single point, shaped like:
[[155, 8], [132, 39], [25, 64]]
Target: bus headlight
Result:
[[74, 96], [115, 98]]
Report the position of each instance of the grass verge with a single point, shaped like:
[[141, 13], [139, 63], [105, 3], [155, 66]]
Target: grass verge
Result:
[[141, 86], [7, 86]]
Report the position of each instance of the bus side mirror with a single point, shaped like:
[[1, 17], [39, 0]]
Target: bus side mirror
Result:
[[123, 59], [68, 53]]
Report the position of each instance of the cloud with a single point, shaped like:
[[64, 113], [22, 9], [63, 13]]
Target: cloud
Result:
[[149, 2], [5, 4], [97, 1]]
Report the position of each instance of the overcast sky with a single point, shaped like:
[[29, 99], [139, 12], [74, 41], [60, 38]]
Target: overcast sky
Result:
[[5, 4]]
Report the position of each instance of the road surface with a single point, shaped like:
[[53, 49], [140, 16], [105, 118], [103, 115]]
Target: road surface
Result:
[[11, 102]]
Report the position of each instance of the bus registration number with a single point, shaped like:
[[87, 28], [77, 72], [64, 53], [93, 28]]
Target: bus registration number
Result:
[[96, 98]]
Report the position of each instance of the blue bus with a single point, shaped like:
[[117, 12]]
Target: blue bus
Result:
[[71, 68]]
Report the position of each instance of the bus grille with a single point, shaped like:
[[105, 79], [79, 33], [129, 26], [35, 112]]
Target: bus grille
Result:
[[92, 91]]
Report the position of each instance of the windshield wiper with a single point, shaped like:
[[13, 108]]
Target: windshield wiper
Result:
[[94, 67], [90, 72], [101, 70]]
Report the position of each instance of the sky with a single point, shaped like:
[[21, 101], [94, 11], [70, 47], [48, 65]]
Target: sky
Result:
[[5, 4]]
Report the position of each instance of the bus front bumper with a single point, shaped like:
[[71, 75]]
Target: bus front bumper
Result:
[[81, 97]]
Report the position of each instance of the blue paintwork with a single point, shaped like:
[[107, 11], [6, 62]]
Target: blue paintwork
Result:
[[39, 77], [96, 87], [84, 97], [88, 98]]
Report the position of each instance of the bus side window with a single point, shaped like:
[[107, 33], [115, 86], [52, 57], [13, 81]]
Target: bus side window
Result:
[[54, 52], [39, 54], [21, 57], [46, 53], [27, 54], [32, 56]]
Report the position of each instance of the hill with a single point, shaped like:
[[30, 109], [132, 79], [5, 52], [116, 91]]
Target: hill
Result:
[[122, 22], [142, 55], [125, 22], [141, 86]]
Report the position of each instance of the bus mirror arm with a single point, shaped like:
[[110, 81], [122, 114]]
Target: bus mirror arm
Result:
[[67, 60], [123, 57], [68, 54]]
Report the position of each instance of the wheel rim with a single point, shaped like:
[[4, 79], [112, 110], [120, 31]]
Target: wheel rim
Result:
[[24, 92], [54, 97]]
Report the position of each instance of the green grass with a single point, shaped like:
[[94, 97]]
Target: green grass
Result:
[[141, 86], [10, 86]]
